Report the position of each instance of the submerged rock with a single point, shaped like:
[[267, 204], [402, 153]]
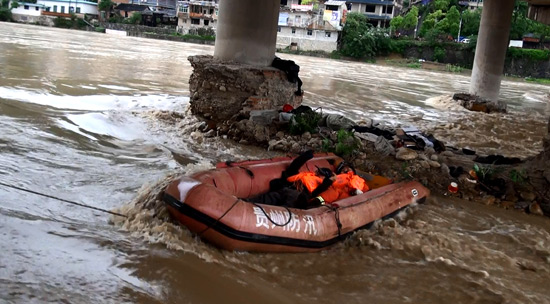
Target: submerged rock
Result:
[[478, 104]]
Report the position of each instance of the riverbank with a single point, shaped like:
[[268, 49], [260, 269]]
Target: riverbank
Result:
[[494, 180]]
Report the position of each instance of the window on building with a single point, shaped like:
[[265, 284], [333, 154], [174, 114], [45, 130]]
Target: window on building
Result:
[[195, 21], [284, 2], [71, 9], [36, 8], [279, 29], [293, 31], [62, 9], [331, 7], [55, 8], [47, 9], [327, 34], [370, 8], [389, 10], [309, 32], [211, 11], [206, 22], [184, 9], [26, 7]]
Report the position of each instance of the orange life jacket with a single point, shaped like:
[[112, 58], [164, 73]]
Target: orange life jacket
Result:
[[308, 179]]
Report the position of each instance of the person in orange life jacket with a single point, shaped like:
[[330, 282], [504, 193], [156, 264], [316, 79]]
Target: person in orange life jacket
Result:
[[355, 184], [314, 188], [281, 191]]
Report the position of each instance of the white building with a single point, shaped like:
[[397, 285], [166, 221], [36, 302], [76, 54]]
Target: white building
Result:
[[70, 6], [310, 28], [194, 14], [29, 9], [379, 12], [46, 7]]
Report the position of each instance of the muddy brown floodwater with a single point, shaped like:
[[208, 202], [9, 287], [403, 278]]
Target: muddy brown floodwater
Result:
[[77, 120]]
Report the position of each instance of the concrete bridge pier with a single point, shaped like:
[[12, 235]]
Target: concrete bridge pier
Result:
[[247, 31], [239, 78], [492, 44]]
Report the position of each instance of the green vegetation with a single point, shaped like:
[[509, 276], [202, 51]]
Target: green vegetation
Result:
[[484, 173], [414, 65], [536, 55], [72, 23], [538, 80], [196, 37], [358, 39], [5, 9], [519, 176], [346, 144], [304, 122], [134, 19], [454, 68], [406, 23], [106, 6], [439, 54]]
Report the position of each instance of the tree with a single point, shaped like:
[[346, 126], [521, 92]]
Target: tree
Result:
[[430, 22], [397, 23], [411, 19], [441, 5], [105, 6], [470, 22], [5, 10], [449, 24], [356, 40]]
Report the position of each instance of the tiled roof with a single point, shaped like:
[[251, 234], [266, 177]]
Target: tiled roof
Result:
[[131, 7], [380, 2]]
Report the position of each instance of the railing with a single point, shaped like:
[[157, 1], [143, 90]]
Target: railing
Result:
[[55, 14], [196, 15]]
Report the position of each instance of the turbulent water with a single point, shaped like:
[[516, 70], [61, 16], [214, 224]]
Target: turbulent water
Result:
[[82, 117]]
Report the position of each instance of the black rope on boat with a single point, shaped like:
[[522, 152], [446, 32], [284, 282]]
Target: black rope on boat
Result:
[[230, 163], [219, 219], [248, 171], [336, 218], [269, 218], [62, 200]]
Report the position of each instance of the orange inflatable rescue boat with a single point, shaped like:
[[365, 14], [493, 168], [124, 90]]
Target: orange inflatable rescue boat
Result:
[[212, 205]]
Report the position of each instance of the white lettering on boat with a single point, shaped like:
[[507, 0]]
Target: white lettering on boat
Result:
[[261, 218], [310, 225], [294, 224], [279, 219]]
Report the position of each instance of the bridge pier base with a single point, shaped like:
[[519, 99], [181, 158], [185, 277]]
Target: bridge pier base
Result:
[[492, 44]]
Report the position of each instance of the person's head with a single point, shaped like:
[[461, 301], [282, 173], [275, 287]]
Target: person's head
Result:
[[344, 167]]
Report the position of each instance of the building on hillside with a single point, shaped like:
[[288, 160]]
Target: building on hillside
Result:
[[57, 8], [194, 14], [28, 9], [378, 12], [126, 10], [154, 5], [474, 4], [310, 27]]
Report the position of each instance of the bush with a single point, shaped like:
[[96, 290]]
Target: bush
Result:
[[347, 143], [439, 54], [62, 22], [454, 68], [536, 55], [304, 122]]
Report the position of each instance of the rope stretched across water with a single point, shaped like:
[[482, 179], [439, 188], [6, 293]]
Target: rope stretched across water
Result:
[[62, 200]]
